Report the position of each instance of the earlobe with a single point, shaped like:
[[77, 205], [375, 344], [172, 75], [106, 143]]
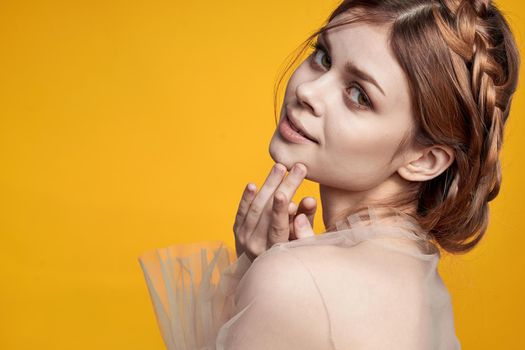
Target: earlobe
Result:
[[428, 164]]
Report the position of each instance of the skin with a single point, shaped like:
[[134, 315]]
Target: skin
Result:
[[359, 129]]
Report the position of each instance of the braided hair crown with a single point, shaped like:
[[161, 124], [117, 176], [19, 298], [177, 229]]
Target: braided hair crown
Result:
[[478, 46], [474, 43]]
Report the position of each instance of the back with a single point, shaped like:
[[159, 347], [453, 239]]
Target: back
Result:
[[370, 287], [377, 297]]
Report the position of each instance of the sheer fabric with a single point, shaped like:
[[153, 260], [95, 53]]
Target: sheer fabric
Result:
[[371, 284]]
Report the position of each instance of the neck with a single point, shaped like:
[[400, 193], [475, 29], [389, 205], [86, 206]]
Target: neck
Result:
[[336, 201]]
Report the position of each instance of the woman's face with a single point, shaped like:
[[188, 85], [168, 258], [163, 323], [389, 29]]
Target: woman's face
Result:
[[358, 124]]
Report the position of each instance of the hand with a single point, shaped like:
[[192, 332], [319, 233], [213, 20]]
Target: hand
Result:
[[269, 216]]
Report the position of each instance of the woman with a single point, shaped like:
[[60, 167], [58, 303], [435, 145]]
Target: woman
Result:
[[398, 114]]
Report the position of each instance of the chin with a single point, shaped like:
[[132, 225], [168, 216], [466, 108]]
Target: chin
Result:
[[284, 155], [277, 152]]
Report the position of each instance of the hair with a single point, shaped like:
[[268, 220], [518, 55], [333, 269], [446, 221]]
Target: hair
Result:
[[462, 65]]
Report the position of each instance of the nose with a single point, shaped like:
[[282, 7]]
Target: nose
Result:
[[309, 95]]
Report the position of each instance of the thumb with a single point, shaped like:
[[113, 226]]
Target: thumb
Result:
[[302, 226]]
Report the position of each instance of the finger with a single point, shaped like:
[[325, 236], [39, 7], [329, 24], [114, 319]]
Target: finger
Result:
[[292, 210], [279, 226], [308, 206], [247, 197], [266, 192], [302, 227], [290, 184]]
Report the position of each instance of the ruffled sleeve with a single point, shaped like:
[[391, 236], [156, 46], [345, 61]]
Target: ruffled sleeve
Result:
[[192, 287]]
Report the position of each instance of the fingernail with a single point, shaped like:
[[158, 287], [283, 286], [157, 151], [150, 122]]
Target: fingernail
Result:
[[277, 169], [298, 169], [251, 187], [312, 201]]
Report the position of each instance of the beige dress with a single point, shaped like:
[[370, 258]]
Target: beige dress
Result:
[[371, 284]]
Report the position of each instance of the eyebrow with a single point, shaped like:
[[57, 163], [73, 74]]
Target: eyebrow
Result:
[[351, 68]]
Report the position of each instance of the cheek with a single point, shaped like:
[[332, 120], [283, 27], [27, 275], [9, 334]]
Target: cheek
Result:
[[369, 146], [363, 151], [365, 136]]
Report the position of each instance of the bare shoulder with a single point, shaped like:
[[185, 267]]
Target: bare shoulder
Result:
[[364, 276], [278, 300], [301, 271], [367, 260], [365, 285], [276, 272], [313, 286]]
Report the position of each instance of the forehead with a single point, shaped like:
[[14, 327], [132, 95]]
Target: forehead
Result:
[[363, 43], [361, 32]]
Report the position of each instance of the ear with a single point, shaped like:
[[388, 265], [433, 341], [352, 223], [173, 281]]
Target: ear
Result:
[[427, 163]]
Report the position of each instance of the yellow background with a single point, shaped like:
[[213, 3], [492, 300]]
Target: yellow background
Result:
[[130, 125]]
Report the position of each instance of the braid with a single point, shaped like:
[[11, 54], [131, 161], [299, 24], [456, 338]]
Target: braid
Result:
[[464, 28]]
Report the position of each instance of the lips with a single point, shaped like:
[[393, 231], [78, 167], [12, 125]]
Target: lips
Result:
[[298, 130]]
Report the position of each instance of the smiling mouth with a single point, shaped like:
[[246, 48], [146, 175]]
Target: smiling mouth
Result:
[[298, 131]]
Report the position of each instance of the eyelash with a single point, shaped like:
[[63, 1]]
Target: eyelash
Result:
[[318, 47]]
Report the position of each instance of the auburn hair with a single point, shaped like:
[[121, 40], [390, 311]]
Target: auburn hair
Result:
[[462, 64]]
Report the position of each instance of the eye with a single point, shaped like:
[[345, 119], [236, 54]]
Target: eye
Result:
[[319, 49], [358, 97]]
